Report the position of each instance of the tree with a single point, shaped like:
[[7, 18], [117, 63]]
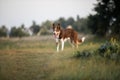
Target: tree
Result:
[[35, 28], [70, 21], [107, 17], [47, 24], [18, 32], [3, 31], [92, 23], [45, 28], [116, 18], [78, 18], [62, 21], [80, 25]]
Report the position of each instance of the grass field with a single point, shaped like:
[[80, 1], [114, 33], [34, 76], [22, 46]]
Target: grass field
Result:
[[37, 59]]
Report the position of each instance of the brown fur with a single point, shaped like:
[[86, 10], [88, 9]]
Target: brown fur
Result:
[[67, 33]]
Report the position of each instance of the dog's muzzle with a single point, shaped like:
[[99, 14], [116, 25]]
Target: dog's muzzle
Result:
[[56, 34]]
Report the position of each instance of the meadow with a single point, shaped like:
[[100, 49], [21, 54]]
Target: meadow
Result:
[[36, 59]]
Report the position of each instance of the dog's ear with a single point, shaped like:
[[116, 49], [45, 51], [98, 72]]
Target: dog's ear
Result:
[[53, 25], [59, 26]]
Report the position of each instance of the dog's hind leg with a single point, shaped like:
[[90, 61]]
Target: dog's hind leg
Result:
[[72, 43]]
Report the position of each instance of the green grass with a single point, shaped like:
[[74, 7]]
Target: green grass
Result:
[[38, 60]]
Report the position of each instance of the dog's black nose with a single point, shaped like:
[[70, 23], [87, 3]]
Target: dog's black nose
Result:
[[53, 33]]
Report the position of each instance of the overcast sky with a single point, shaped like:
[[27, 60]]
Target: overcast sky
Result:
[[17, 12]]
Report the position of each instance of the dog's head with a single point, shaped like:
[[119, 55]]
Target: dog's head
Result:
[[56, 30]]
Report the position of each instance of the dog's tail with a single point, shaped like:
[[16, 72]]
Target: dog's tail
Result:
[[81, 40]]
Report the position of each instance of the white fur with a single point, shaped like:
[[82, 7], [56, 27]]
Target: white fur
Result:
[[62, 43], [56, 34], [83, 39], [58, 47], [69, 27], [57, 42]]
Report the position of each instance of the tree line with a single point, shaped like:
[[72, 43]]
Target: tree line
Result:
[[45, 28], [106, 22]]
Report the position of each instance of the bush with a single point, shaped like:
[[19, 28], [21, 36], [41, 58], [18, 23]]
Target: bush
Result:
[[83, 54], [110, 50]]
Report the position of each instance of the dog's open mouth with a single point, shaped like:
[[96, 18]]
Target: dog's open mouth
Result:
[[56, 35]]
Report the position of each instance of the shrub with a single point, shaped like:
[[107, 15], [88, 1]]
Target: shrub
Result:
[[83, 54], [110, 49]]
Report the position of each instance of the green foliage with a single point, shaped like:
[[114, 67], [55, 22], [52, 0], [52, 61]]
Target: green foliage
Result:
[[45, 28], [91, 23], [83, 54], [47, 24], [35, 28], [110, 49], [3, 31], [107, 18], [80, 25], [18, 32], [44, 31], [62, 21]]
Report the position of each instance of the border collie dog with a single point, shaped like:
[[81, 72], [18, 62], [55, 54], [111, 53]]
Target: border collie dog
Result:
[[61, 35]]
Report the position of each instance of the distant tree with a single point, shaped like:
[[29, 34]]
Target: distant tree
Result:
[[18, 32], [3, 31], [47, 24], [23, 26], [80, 25], [13, 32], [78, 18], [70, 21], [45, 28], [35, 28], [92, 23], [25, 30], [62, 21], [44, 31]]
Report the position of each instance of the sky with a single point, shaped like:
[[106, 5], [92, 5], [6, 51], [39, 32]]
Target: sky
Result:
[[18, 12]]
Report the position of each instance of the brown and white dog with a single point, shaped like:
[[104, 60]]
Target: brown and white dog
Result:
[[61, 35]]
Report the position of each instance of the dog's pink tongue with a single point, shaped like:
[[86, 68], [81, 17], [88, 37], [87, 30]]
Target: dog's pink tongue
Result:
[[55, 36]]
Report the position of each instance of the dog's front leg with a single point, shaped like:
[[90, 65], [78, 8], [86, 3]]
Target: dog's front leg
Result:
[[57, 44], [62, 44]]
